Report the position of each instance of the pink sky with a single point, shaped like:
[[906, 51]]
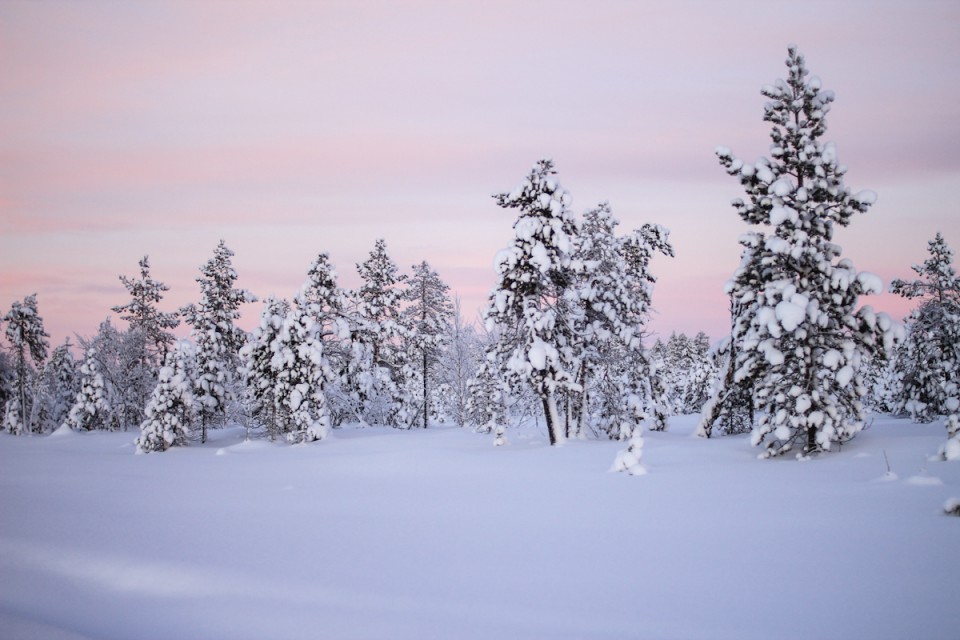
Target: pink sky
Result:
[[291, 128]]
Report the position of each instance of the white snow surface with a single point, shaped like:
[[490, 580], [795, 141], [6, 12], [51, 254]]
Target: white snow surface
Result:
[[379, 533]]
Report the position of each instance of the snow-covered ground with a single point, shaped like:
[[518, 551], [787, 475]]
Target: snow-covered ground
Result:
[[376, 533]]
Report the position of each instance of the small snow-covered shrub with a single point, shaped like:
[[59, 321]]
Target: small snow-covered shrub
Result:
[[630, 459], [952, 507]]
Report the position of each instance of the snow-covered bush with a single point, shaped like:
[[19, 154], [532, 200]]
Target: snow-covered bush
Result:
[[630, 460]]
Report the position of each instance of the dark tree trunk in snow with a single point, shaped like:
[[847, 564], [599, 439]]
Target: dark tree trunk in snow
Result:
[[552, 427], [425, 395]]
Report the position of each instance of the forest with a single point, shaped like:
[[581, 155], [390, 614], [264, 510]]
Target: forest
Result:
[[563, 337]]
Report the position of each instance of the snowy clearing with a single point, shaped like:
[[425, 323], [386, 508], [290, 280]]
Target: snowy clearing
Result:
[[379, 533]]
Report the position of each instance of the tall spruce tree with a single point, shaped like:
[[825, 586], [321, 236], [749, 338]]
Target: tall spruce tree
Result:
[[730, 407], [218, 340], [59, 383], [259, 368], [805, 327], [142, 314], [380, 367], [28, 341], [302, 367], [930, 357], [427, 318]]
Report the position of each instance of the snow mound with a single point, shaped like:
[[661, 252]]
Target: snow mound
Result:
[[63, 431], [924, 481], [952, 507]]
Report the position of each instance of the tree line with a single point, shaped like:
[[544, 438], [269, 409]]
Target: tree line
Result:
[[563, 336]]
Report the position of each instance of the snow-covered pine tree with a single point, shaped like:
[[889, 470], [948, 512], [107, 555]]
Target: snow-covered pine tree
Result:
[[28, 341], [702, 376], [427, 318], [931, 355], [59, 384], [730, 407], [680, 362], [630, 460], [380, 368], [884, 380], [171, 410], [257, 358], [806, 327], [529, 299], [218, 340], [91, 408], [300, 365], [485, 407], [142, 314]]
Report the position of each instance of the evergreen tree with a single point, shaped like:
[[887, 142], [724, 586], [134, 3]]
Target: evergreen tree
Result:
[[380, 368], [730, 407], [91, 407], [142, 314], [930, 358], [679, 366], [218, 341], [485, 407], [806, 328], [171, 409], [259, 370], [702, 375], [529, 301], [301, 366], [427, 319], [59, 383], [28, 341], [630, 460], [287, 362]]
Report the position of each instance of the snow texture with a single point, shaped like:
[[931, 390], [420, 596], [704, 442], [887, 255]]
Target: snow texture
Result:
[[436, 534]]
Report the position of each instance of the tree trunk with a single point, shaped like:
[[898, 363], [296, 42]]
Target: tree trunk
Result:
[[425, 396], [22, 382], [553, 420]]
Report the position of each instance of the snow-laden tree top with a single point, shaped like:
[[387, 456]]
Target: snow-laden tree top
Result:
[[800, 188]]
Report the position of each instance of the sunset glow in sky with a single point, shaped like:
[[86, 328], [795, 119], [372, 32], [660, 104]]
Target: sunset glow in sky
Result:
[[291, 128]]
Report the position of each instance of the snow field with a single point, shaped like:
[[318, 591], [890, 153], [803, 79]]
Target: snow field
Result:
[[379, 533]]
